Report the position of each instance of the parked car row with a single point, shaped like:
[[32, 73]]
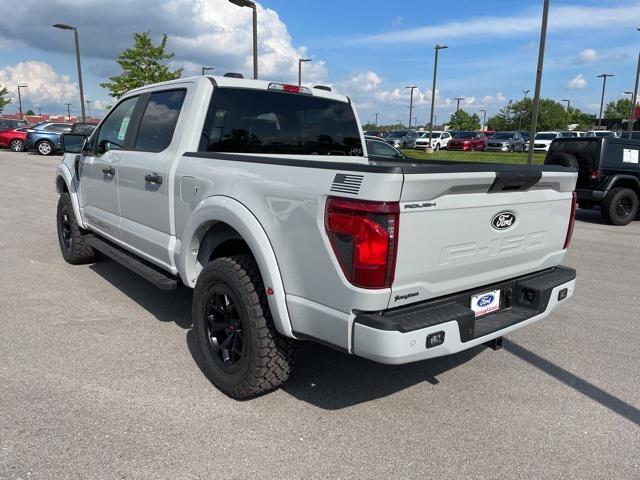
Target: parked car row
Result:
[[43, 137]]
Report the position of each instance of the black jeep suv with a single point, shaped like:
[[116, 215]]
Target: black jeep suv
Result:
[[608, 173]]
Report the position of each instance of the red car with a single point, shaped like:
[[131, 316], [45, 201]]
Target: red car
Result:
[[468, 141], [15, 139]]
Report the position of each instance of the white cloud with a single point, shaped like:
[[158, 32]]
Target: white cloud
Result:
[[578, 82], [201, 32], [563, 17], [45, 87], [587, 55]]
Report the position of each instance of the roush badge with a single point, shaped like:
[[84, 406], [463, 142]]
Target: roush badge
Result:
[[503, 220]]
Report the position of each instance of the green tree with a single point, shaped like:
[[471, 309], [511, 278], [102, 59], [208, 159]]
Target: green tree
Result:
[[3, 100], [29, 112], [461, 120], [621, 108], [141, 65], [552, 115]]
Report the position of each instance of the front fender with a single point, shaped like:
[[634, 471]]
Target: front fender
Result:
[[225, 209], [63, 172]]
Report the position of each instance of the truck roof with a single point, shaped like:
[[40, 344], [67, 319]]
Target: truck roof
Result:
[[222, 81]]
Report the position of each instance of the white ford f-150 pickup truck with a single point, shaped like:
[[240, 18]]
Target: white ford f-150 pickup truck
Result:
[[263, 198]]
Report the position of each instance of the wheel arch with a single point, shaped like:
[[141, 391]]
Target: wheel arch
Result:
[[65, 184], [221, 226], [625, 181]]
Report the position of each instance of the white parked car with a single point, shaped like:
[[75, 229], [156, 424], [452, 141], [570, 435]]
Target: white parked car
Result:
[[439, 140], [601, 133], [543, 140]]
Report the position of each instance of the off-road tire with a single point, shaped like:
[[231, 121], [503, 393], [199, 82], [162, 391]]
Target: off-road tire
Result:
[[71, 237], [268, 357], [611, 208]]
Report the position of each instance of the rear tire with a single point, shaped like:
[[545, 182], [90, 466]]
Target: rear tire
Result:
[[243, 353], [44, 147], [620, 206], [17, 145], [73, 245]]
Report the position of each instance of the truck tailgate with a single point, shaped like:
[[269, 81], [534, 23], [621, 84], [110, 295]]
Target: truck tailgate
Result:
[[463, 230]]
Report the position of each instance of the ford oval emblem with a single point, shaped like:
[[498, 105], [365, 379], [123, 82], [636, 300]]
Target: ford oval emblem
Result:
[[503, 220], [485, 300]]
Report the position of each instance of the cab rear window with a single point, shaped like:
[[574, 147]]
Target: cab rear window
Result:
[[273, 122]]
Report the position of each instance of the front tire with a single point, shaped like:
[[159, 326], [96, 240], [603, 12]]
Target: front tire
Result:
[[73, 244], [620, 206], [44, 148], [243, 353], [16, 145]]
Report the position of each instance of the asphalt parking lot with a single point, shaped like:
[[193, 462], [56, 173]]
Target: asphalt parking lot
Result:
[[99, 378]]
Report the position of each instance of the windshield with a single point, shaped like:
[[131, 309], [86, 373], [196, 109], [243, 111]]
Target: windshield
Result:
[[545, 136], [259, 121], [502, 136], [604, 134], [397, 134], [426, 134], [570, 134], [465, 135]]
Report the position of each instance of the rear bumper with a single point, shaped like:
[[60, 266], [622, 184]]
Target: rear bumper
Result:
[[586, 195], [399, 335]]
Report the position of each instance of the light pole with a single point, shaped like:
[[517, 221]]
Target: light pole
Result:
[[566, 121], [206, 69], [63, 26], [68, 111], [484, 119], [433, 93], [604, 85], [39, 111], [300, 62], [252, 5], [536, 96], [89, 107], [415, 122], [376, 114], [634, 98], [525, 93], [20, 99], [412, 87], [458, 99]]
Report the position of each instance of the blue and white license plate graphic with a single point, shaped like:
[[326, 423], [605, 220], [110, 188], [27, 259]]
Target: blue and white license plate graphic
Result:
[[485, 303]]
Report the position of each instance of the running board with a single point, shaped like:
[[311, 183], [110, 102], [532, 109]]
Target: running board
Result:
[[151, 273]]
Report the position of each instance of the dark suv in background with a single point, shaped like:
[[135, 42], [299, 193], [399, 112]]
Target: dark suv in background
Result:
[[45, 137], [608, 173]]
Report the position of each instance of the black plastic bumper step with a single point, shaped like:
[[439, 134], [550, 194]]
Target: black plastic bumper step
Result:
[[151, 273], [521, 298]]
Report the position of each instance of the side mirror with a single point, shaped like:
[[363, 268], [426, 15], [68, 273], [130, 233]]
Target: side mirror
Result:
[[73, 142]]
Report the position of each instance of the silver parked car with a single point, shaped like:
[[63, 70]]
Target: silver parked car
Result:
[[401, 138], [506, 142]]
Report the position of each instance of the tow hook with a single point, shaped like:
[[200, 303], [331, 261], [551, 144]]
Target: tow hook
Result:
[[495, 344]]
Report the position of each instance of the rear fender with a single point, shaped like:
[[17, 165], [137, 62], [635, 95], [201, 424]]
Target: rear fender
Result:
[[223, 209]]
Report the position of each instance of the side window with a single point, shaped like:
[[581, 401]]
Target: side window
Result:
[[159, 120], [381, 148], [113, 130]]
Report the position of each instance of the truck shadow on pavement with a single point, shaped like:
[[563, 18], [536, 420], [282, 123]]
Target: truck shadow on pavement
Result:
[[333, 380]]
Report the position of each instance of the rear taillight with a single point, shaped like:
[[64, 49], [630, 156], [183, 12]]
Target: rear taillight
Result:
[[364, 238], [572, 221], [595, 174]]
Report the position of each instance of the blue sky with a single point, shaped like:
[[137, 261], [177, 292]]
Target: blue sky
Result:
[[369, 50]]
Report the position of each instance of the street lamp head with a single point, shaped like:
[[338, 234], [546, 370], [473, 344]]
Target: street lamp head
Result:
[[23, 86], [565, 100], [304, 60], [441, 47], [64, 26], [605, 75], [243, 3], [412, 86]]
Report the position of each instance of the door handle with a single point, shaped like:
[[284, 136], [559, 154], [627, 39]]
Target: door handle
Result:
[[109, 171], [153, 178]]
